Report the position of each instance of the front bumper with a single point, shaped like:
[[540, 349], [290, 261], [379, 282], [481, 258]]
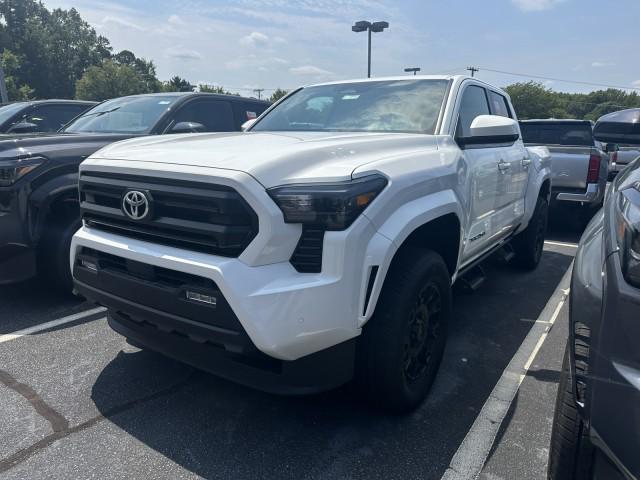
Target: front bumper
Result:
[[594, 194], [17, 256]]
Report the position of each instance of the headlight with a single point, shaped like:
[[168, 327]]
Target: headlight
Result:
[[12, 171], [628, 233], [329, 206]]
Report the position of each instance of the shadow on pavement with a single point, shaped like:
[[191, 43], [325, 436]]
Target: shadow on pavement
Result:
[[217, 429], [33, 302]]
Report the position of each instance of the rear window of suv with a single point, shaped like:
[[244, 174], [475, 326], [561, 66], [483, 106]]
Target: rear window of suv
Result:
[[569, 134]]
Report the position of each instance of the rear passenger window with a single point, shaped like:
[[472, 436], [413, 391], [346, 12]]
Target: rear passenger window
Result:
[[473, 104], [499, 105], [215, 115]]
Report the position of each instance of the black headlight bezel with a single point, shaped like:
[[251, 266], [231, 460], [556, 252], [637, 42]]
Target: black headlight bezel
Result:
[[13, 170], [328, 206]]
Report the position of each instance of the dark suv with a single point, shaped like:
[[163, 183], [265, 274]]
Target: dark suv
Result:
[[596, 430], [39, 210], [40, 115]]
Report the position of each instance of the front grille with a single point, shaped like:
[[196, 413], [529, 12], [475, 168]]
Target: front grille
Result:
[[191, 215]]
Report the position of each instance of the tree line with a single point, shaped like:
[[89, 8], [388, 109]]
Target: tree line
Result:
[[56, 54]]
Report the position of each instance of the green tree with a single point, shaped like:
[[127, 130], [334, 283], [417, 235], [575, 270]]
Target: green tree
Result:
[[178, 84], [215, 89], [145, 68], [110, 80], [533, 100], [277, 95], [11, 66]]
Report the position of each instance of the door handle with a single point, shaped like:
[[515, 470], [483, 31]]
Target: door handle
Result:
[[503, 166], [526, 162]]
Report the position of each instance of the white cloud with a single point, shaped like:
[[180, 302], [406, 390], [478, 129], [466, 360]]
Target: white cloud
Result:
[[636, 84], [255, 61], [183, 53], [309, 71], [536, 5], [602, 64], [255, 39], [122, 22], [176, 20]]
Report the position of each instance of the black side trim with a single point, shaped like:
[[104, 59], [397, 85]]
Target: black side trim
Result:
[[372, 280], [487, 142]]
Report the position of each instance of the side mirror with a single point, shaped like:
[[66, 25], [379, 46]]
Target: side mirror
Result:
[[187, 127], [490, 130], [23, 127], [619, 127], [248, 124]]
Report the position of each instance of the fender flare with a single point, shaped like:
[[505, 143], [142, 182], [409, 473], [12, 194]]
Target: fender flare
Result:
[[540, 173], [392, 234], [46, 195]]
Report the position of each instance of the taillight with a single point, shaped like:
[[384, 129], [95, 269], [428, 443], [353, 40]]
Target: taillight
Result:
[[613, 158], [594, 168]]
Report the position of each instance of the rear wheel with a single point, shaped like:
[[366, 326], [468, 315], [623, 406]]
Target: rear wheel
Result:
[[570, 454], [55, 246], [401, 347], [529, 243]]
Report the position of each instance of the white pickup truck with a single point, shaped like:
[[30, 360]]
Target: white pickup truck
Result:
[[321, 244]]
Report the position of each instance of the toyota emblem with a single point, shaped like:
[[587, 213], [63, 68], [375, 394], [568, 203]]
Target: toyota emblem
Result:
[[135, 205]]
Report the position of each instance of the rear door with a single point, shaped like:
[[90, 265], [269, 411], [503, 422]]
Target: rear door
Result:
[[514, 172]]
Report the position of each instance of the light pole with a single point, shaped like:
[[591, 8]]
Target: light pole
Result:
[[415, 70], [369, 27]]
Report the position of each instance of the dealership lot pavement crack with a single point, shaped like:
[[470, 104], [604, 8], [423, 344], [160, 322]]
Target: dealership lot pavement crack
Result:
[[60, 424]]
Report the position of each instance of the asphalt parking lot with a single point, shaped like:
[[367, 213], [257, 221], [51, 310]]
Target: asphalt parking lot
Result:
[[78, 402]]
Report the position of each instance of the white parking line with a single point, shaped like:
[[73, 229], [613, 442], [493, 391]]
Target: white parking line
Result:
[[561, 244], [53, 323], [470, 457]]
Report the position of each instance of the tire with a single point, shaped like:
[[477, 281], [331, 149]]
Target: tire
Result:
[[401, 346], [55, 247], [570, 452], [529, 243]]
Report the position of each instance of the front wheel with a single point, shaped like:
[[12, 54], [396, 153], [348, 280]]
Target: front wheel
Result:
[[570, 453], [529, 243], [401, 346], [54, 251]]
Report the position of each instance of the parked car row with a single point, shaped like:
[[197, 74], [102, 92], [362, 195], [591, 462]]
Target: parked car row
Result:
[[39, 209]]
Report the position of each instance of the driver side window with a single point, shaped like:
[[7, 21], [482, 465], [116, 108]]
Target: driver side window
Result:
[[474, 103]]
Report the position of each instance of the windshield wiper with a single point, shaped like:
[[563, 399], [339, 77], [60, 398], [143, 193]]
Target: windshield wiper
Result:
[[90, 114]]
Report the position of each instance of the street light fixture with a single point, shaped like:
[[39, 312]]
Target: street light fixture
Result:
[[415, 70], [364, 26]]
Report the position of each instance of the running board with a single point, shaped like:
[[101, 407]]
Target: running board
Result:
[[473, 279]]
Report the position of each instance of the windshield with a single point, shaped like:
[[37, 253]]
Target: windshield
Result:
[[135, 115], [8, 111], [410, 106]]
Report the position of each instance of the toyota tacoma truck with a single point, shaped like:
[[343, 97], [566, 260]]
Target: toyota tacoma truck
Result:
[[579, 162], [319, 246]]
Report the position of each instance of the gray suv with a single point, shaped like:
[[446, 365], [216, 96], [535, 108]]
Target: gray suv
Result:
[[596, 430]]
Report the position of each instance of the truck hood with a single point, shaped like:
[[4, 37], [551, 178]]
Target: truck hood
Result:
[[273, 158], [52, 146]]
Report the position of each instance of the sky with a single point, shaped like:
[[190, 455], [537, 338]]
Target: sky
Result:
[[247, 44]]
